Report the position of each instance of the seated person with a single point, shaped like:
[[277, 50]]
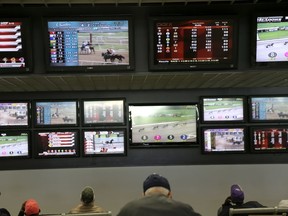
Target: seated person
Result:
[[157, 200], [87, 203], [283, 204], [31, 208], [236, 200]]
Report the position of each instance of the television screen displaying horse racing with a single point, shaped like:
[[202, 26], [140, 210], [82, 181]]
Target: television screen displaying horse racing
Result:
[[163, 125], [104, 142], [269, 108], [223, 140], [14, 144], [272, 39], [14, 114], [56, 113], [223, 109], [89, 43]]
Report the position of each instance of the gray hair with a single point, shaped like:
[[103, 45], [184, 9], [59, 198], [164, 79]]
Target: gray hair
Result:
[[157, 190]]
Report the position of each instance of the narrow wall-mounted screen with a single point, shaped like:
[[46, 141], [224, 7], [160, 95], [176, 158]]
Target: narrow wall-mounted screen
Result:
[[269, 108], [103, 111], [56, 143], [89, 44], [223, 139], [14, 144], [15, 45], [163, 125], [187, 43], [14, 114], [56, 113], [104, 142], [269, 139], [223, 109], [271, 39]]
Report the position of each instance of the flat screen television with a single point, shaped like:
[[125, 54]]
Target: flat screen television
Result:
[[110, 141], [223, 139], [271, 40], [14, 113], [89, 44], [163, 125], [223, 109], [269, 138], [15, 45], [56, 143], [60, 113], [193, 43], [268, 108], [97, 112], [14, 144]]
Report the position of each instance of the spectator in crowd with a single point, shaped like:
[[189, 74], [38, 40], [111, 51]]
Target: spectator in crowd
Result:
[[31, 208], [283, 204], [4, 212], [157, 200], [236, 200], [87, 203]]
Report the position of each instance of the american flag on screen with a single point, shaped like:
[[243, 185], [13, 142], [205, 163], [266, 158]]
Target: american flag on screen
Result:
[[10, 36]]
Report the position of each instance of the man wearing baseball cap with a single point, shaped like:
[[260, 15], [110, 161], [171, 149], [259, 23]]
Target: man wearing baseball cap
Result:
[[236, 200], [31, 208], [157, 200]]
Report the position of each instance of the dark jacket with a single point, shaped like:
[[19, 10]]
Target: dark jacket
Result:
[[224, 210], [157, 205]]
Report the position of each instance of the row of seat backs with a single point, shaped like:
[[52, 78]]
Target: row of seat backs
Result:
[[258, 211], [108, 213]]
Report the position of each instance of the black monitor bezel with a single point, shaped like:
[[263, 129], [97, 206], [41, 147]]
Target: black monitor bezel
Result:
[[259, 127], [103, 123], [29, 140], [29, 111], [163, 144], [98, 69], [265, 64], [53, 130], [201, 109], [34, 112], [191, 66], [253, 120], [245, 130], [27, 46], [124, 130]]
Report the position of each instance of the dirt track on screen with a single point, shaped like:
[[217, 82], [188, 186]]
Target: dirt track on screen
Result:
[[97, 58]]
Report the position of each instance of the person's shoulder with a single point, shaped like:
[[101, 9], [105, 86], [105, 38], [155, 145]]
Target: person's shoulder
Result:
[[186, 207], [252, 204], [283, 204]]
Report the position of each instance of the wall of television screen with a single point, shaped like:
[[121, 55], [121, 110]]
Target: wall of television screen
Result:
[[99, 127]]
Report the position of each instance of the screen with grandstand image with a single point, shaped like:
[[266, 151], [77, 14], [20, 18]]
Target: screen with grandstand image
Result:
[[222, 109], [15, 45], [269, 139], [272, 39], [223, 139], [14, 114], [104, 141], [14, 144], [52, 143], [103, 111], [268, 108], [56, 113], [89, 44], [163, 125]]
